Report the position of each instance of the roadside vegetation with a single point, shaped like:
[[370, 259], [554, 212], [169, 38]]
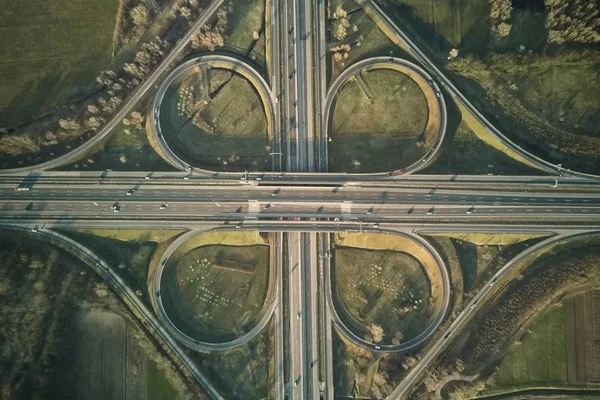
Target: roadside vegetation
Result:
[[378, 123], [246, 372], [353, 36], [360, 373], [479, 256], [217, 292], [530, 66], [395, 297], [214, 119], [562, 270], [52, 310]]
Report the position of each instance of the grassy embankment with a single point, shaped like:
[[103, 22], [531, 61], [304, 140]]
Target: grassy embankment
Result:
[[385, 280], [217, 121], [216, 286], [246, 19], [50, 54], [246, 372], [379, 129], [478, 256]]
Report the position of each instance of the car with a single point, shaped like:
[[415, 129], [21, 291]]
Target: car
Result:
[[130, 192], [116, 210], [430, 211], [114, 206], [400, 172], [376, 226], [377, 347], [158, 293], [186, 178], [369, 211], [336, 219], [276, 99], [438, 94], [259, 179], [471, 210], [472, 306], [34, 230], [298, 316], [294, 105], [238, 226], [280, 176], [163, 206]]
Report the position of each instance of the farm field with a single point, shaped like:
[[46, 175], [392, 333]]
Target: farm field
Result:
[[377, 276], [377, 126], [104, 360], [217, 291], [216, 120], [583, 334], [539, 358], [51, 53]]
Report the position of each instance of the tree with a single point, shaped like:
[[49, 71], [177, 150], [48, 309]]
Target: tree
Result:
[[397, 339], [69, 124], [101, 290], [185, 12], [92, 109], [573, 21], [376, 332], [139, 16]]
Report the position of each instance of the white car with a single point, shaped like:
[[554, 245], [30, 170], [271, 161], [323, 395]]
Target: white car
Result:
[[163, 206], [298, 316]]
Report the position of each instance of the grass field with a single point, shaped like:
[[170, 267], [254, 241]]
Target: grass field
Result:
[[103, 360], [247, 17], [481, 255], [225, 238], [539, 357], [224, 128], [244, 371], [465, 153], [451, 21], [388, 288], [156, 235], [51, 53], [217, 289], [377, 129], [130, 257]]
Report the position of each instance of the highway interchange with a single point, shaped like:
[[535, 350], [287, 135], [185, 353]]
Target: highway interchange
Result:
[[300, 205]]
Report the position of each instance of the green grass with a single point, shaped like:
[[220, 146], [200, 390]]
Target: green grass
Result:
[[232, 133], [134, 235], [451, 20], [373, 42], [158, 386], [370, 284], [465, 153], [134, 257], [377, 134], [51, 53], [223, 287], [244, 371], [247, 17], [540, 357]]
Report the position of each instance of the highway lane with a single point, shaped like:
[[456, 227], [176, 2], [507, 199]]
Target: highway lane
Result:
[[279, 322], [325, 264], [240, 212], [291, 93], [402, 390], [129, 103], [296, 340], [457, 95], [311, 315], [306, 98], [293, 178], [374, 196], [320, 77]]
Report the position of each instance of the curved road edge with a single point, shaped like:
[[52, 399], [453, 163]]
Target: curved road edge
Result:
[[453, 90], [82, 150], [385, 62], [473, 307], [223, 61], [419, 339], [129, 297], [182, 337]]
